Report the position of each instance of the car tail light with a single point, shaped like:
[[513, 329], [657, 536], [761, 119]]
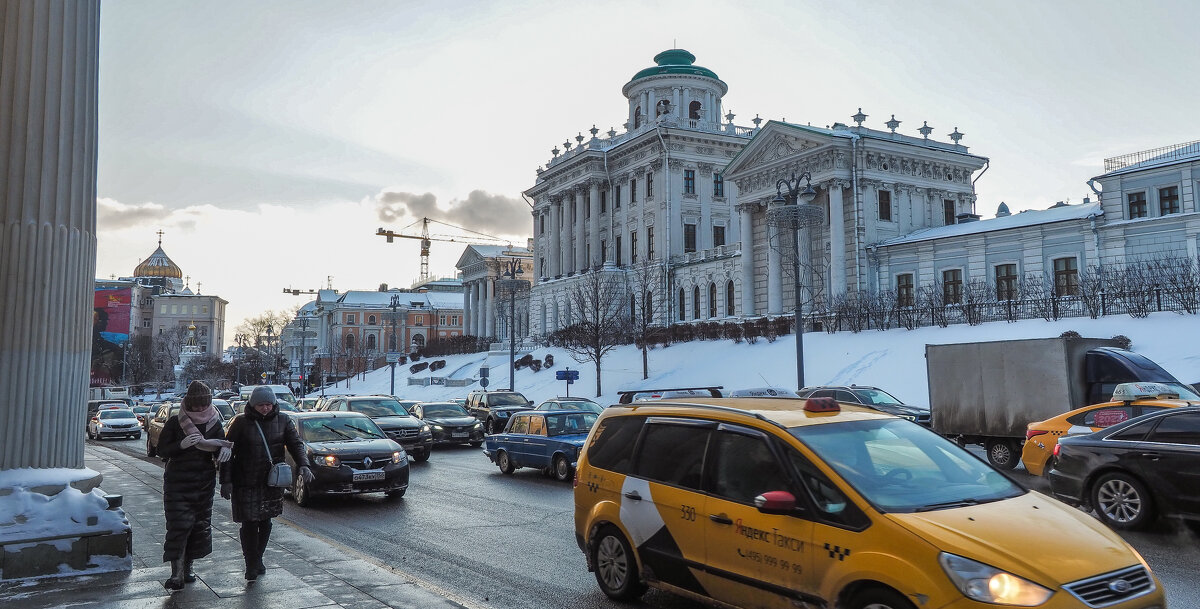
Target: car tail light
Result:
[[1030, 433]]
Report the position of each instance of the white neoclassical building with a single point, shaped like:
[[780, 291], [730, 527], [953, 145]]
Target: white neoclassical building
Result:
[[484, 301]]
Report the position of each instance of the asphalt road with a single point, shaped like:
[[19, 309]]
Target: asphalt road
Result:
[[491, 540]]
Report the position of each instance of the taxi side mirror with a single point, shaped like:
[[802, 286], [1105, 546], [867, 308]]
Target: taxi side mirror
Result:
[[775, 502]]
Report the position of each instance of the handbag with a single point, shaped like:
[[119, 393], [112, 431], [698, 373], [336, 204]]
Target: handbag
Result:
[[281, 473]]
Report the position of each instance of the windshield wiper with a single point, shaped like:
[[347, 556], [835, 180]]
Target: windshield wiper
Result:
[[338, 432], [366, 431], [948, 504]]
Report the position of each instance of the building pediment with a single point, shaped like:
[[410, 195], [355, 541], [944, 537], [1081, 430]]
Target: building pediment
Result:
[[775, 143]]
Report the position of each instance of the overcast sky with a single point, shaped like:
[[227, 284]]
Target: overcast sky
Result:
[[270, 139]]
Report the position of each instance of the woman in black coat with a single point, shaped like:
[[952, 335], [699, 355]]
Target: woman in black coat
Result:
[[244, 476], [193, 444]]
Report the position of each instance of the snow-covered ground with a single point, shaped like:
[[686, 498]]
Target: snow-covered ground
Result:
[[892, 359]]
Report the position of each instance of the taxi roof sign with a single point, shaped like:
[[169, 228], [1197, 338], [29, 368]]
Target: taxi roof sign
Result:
[[1128, 392], [821, 405]]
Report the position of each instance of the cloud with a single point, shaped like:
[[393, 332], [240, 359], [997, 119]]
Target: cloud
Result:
[[114, 215], [480, 211]]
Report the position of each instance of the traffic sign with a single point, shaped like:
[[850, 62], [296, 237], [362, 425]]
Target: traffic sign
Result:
[[567, 375], [484, 371], [394, 357], [483, 382]]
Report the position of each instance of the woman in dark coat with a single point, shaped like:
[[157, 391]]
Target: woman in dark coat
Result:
[[244, 476], [193, 444]]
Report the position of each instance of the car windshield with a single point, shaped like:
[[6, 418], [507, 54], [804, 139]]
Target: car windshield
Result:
[[443, 409], [379, 408], [901, 467], [583, 405], [116, 414], [570, 423], [506, 399], [334, 429], [224, 408], [876, 397]]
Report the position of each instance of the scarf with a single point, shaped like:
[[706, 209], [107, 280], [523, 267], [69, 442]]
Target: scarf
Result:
[[208, 417]]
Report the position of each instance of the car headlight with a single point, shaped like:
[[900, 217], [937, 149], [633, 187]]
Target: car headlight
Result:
[[908, 417], [501, 414], [397, 456], [425, 428], [479, 425], [328, 460], [437, 427], [988, 584]]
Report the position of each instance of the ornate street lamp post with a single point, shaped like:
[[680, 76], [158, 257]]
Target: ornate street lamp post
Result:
[[791, 209], [394, 304], [270, 353], [302, 321], [511, 270]]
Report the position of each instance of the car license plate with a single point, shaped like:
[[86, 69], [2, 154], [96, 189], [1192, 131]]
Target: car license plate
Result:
[[368, 476], [459, 434]]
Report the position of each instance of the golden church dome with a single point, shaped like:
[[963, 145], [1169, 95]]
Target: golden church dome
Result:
[[158, 265]]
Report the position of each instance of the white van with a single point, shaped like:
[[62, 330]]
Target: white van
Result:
[[282, 393]]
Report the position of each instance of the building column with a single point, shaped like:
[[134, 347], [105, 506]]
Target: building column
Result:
[[467, 293], [747, 225], [774, 271], [581, 261], [837, 242], [598, 256], [554, 254], [48, 97], [490, 308], [481, 306]]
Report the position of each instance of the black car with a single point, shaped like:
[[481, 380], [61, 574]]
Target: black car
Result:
[[389, 414], [349, 454], [1134, 471], [495, 407], [450, 423], [871, 397]]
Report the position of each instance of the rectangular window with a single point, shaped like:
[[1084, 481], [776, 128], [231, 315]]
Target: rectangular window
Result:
[[617, 196], [204, 309], [350, 320], [718, 185], [948, 211], [1066, 276], [633, 190], [952, 286], [649, 185], [904, 290], [542, 228], [1137, 205], [174, 309], [718, 236], [603, 201], [885, 205], [633, 250], [689, 181], [162, 310], [618, 252], [1006, 281], [1168, 200], [145, 322], [689, 238], [442, 320], [650, 243]]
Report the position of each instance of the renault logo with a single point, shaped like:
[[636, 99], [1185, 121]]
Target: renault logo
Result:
[[1119, 586], [367, 464]]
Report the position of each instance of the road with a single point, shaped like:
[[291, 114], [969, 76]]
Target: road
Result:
[[507, 541]]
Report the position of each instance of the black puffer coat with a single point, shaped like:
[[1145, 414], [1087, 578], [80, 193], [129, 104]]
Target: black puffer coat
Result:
[[252, 499], [188, 483]]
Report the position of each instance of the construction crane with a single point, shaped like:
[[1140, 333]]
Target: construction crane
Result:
[[296, 292], [475, 237]]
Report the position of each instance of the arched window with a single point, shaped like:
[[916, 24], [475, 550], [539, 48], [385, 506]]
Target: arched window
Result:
[[682, 305], [696, 302], [712, 300], [418, 340], [694, 110], [371, 342], [349, 341], [729, 309], [371, 320]]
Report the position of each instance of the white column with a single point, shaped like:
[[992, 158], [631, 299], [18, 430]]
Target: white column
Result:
[[747, 259], [598, 256], [837, 243], [490, 310], [554, 255], [482, 304], [468, 293], [774, 272], [580, 238]]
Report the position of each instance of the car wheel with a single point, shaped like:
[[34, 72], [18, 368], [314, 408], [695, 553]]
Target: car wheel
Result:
[[421, 457], [616, 566], [476, 444], [1122, 501], [90, 435], [301, 493], [150, 452], [562, 469], [504, 462], [1002, 454], [879, 598], [396, 494]]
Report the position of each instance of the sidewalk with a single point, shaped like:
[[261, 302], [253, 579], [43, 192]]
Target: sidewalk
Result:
[[302, 571]]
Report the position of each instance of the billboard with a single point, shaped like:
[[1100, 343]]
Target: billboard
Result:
[[112, 309]]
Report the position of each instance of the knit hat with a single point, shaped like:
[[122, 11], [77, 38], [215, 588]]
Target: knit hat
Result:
[[261, 395], [198, 396]]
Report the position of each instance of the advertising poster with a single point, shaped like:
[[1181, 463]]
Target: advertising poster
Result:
[[111, 310]]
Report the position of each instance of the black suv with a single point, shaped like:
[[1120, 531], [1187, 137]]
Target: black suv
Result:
[[390, 415], [495, 407], [871, 397]]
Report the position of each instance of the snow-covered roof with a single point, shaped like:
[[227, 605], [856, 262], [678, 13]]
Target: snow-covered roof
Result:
[[370, 298], [443, 300], [381, 300], [1062, 213]]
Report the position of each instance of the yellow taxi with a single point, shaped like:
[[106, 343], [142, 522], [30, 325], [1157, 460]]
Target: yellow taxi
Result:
[[768, 502], [1129, 400]]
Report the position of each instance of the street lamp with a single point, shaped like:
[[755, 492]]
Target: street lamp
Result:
[[270, 355], [394, 304], [792, 210], [511, 269], [303, 322]]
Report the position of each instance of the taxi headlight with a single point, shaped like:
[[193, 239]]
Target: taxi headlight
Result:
[[988, 584]]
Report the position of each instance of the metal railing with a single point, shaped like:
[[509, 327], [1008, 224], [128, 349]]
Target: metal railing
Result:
[[1165, 153], [712, 253]]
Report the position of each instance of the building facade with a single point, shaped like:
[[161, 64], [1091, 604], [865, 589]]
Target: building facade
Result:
[[485, 302]]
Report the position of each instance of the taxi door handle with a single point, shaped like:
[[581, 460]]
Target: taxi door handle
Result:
[[720, 518], [633, 495]]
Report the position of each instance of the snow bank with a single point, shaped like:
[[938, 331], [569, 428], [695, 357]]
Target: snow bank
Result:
[[25, 514]]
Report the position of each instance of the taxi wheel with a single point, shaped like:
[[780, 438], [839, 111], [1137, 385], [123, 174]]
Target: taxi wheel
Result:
[[504, 462], [562, 469], [1121, 501], [1002, 454], [616, 567], [879, 598]]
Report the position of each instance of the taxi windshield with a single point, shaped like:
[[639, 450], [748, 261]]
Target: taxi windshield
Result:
[[876, 397], [901, 467]]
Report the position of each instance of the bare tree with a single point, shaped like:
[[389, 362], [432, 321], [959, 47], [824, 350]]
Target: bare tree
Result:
[[598, 301], [1135, 286], [644, 280], [932, 297], [1037, 290], [851, 309], [882, 309], [1179, 279], [1091, 290]]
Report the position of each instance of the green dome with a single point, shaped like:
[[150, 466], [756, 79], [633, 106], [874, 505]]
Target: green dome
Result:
[[675, 61]]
